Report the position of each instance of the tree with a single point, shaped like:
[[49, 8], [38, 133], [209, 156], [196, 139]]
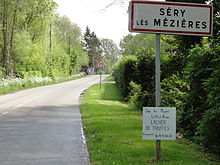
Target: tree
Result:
[[67, 33], [110, 53], [92, 46], [9, 16], [37, 42], [130, 44], [16, 16]]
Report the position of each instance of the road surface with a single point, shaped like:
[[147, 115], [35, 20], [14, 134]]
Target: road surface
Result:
[[42, 126]]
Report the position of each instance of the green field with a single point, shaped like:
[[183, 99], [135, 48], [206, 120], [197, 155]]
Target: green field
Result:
[[114, 134]]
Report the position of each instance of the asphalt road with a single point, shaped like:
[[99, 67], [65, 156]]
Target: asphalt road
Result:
[[42, 126]]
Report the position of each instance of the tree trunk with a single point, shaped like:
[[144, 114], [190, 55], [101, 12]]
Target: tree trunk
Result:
[[6, 54], [8, 37], [13, 26]]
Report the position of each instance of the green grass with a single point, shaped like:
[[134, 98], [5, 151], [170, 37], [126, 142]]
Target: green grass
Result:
[[109, 78], [114, 134]]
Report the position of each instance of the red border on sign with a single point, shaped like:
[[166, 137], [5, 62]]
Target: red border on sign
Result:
[[171, 31], [101, 62]]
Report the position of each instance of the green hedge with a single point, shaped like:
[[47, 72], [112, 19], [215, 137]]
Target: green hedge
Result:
[[208, 130], [124, 73], [134, 71]]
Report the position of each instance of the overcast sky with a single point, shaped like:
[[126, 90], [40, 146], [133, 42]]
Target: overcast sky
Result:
[[111, 23]]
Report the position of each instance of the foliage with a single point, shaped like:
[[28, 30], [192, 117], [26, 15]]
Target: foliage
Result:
[[37, 42], [199, 66], [78, 58], [12, 84], [130, 44], [92, 46], [208, 130], [135, 96], [174, 92], [60, 62], [110, 54], [124, 73], [18, 16], [135, 76], [198, 70], [145, 71], [68, 36], [173, 60]]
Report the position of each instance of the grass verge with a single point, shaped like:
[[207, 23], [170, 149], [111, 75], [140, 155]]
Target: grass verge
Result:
[[20, 84], [109, 78], [114, 134]]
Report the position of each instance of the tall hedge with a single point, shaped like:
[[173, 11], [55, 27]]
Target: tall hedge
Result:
[[124, 73], [145, 76], [198, 71], [139, 70]]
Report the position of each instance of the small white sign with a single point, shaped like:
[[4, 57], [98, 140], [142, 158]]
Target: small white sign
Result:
[[170, 18], [159, 123]]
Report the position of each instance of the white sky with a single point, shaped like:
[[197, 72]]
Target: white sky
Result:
[[111, 23]]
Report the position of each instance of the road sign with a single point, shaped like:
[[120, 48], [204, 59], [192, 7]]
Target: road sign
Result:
[[101, 64], [170, 18], [159, 123]]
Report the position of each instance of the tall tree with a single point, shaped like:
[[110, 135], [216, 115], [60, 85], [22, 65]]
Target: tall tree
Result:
[[110, 50], [110, 53], [9, 16], [92, 46], [67, 33], [130, 44], [17, 15]]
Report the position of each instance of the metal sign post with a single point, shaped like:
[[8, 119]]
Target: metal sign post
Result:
[[100, 79], [100, 65], [157, 64]]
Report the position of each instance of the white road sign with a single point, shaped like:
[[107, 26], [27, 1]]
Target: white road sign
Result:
[[159, 123], [170, 18]]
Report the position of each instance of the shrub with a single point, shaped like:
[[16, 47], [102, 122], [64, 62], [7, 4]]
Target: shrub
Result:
[[140, 71], [135, 96], [198, 71], [174, 93], [209, 131], [138, 98], [124, 73], [146, 76], [145, 72]]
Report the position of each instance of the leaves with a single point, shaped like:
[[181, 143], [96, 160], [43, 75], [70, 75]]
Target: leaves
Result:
[[36, 41]]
